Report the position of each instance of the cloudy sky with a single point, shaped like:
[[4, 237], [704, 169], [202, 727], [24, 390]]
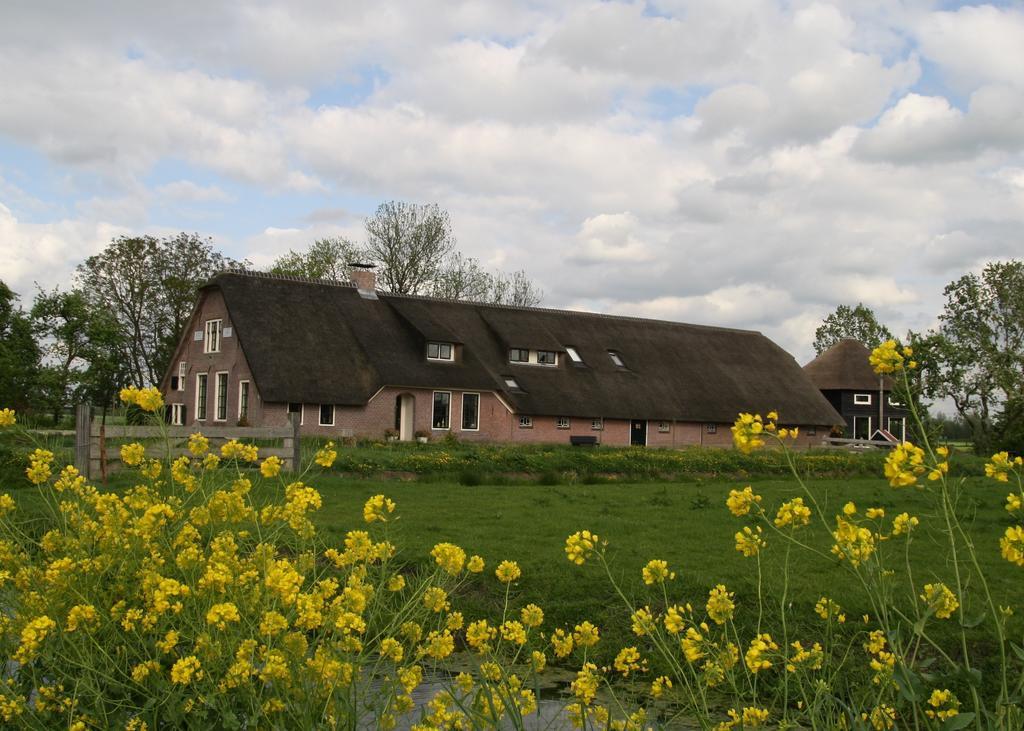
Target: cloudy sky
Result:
[[743, 163]]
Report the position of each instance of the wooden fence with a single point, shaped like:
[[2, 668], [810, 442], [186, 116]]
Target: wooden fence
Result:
[[96, 456]]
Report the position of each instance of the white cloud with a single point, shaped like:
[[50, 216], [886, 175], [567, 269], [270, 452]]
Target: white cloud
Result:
[[186, 190], [976, 45]]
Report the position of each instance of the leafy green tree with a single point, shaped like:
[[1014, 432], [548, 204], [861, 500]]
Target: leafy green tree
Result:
[[150, 286], [328, 258], [976, 357], [19, 355], [410, 242], [857, 322]]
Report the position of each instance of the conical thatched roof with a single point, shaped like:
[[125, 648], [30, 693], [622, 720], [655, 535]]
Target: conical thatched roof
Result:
[[845, 367]]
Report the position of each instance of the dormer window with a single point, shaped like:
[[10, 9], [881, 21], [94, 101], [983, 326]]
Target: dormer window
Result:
[[518, 355], [616, 358], [547, 357], [440, 351], [511, 383], [573, 354]]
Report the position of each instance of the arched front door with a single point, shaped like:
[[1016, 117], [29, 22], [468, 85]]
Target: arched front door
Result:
[[405, 413]]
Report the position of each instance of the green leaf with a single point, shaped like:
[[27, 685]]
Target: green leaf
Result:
[[960, 720], [1017, 650], [973, 621], [909, 684]]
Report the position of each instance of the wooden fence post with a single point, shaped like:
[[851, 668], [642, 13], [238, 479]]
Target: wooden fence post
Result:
[[296, 443], [83, 438]]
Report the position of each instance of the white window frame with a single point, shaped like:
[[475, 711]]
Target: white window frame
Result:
[[448, 420], [711, 428], [553, 363], [216, 400], [617, 358], [320, 415], [903, 430], [597, 424], [871, 426], [664, 427], [182, 373], [177, 415], [205, 391], [462, 422], [862, 399], [574, 355], [440, 345], [895, 402], [525, 422], [212, 335], [563, 422], [247, 389]]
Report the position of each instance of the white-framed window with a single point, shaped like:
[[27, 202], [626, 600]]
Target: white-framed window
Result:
[[470, 412], [221, 414], [664, 427], [442, 416], [597, 424], [573, 354], [211, 336], [440, 351], [862, 427], [616, 358], [182, 372], [547, 357], [201, 387], [511, 382], [711, 428], [862, 399], [893, 401], [898, 427], [525, 422], [326, 415], [178, 414], [243, 400], [518, 355], [562, 422]]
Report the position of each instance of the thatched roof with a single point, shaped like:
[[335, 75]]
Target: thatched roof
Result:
[[845, 367], [325, 343]]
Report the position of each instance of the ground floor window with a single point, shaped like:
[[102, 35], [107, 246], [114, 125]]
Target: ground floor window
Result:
[[897, 427], [525, 422], [862, 427], [711, 428], [201, 382], [326, 414], [563, 422], [243, 400], [178, 414], [663, 427], [597, 424], [222, 397], [470, 411], [442, 409]]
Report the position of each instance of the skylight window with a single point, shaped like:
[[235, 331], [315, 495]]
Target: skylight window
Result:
[[511, 382], [616, 358], [574, 356]]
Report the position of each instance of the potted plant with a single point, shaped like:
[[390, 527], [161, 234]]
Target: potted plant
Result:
[[422, 436], [391, 435]]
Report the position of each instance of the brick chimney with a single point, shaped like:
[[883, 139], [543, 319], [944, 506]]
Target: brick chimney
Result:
[[363, 276]]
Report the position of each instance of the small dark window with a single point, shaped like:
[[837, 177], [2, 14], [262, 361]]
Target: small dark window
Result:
[[663, 427], [470, 411], [439, 351], [442, 409], [326, 414], [597, 424], [519, 355], [525, 422], [712, 428], [294, 408], [563, 422], [547, 357]]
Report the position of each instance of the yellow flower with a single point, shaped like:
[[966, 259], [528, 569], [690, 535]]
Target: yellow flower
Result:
[[940, 599], [514, 632], [147, 399], [805, 658], [435, 599], [439, 645], [449, 557], [377, 508], [749, 542], [1013, 502], [656, 572], [628, 661], [32, 636], [586, 635], [1001, 466], [186, 670], [642, 622], [852, 542], [272, 623], [532, 615], [886, 358], [132, 454], [538, 661], [475, 565], [561, 642], [7, 504], [882, 718], [508, 571], [391, 649], [79, 615], [660, 685], [740, 502], [271, 467], [7, 417], [396, 583], [587, 681], [720, 605], [1011, 545], [903, 523], [325, 456], [198, 444], [479, 635], [751, 717], [904, 464], [580, 546], [234, 449], [794, 513], [755, 657], [944, 705], [746, 432]]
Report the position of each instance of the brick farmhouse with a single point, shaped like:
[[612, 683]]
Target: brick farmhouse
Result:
[[349, 361]]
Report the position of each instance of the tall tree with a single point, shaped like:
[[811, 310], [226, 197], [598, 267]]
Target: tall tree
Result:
[[19, 354], [410, 242], [150, 286], [857, 322], [462, 278], [327, 258], [976, 356], [514, 289]]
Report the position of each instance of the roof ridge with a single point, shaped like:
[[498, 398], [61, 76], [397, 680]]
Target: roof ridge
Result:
[[256, 274]]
